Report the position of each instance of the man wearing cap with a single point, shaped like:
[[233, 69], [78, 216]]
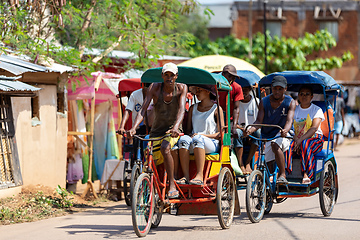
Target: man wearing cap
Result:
[[169, 100], [236, 94], [277, 109]]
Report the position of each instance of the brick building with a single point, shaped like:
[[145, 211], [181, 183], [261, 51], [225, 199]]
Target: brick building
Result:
[[292, 18]]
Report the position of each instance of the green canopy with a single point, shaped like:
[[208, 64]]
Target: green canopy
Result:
[[189, 75]]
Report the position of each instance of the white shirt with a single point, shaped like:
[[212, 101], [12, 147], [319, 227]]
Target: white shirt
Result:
[[313, 111], [248, 111], [204, 122]]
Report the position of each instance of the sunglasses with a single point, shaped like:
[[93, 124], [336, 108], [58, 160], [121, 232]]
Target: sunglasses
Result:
[[304, 94]]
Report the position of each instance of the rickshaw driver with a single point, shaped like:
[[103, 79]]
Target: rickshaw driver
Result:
[[277, 109], [169, 100]]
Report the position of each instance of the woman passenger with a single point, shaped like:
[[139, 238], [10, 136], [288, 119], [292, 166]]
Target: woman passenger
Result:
[[308, 139], [203, 131]]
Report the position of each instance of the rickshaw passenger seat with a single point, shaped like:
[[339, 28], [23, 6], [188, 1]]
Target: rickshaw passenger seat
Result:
[[328, 111]]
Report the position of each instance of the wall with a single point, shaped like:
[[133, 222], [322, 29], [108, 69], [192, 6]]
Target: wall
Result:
[[298, 19], [42, 148]]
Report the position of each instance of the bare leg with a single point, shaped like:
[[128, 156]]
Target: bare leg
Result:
[[184, 161], [252, 151], [239, 153], [280, 159], [336, 141], [175, 155], [169, 164], [199, 154]]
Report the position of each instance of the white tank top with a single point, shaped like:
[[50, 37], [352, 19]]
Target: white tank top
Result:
[[204, 122]]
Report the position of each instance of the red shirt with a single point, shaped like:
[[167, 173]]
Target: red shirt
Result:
[[236, 94]]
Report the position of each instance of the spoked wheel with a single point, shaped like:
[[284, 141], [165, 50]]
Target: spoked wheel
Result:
[[328, 190], [142, 205], [158, 211], [269, 202], [135, 173], [225, 197], [255, 196]]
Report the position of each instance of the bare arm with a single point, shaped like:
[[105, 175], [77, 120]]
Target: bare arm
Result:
[[189, 121], [123, 121], [259, 119], [289, 119], [235, 117]]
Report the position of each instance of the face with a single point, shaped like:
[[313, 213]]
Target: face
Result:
[[229, 77], [199, 92], [278, 92], [169, 78], [246, 91], [305, 96]]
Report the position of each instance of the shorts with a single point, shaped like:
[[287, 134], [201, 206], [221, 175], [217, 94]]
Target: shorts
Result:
[[157, 155], [283, 143], [338, 126], [239, 142]]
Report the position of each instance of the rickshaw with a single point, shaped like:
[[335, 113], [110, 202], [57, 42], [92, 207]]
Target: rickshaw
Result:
[[217, 194], [262, 190], [246, 79], [133, 163]]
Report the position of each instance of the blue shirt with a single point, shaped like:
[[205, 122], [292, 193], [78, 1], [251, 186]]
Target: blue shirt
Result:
[[276, 116]]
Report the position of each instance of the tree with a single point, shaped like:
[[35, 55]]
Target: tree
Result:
[[282, 53], [62, 30]]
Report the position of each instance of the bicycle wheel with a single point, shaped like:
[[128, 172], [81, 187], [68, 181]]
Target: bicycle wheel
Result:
[[255, 196], [142, 205], [135, 173], [225, 197], [158, 211], [327, 190]]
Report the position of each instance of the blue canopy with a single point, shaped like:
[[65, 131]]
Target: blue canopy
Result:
[[247, 78], [319, 80], [189, 75]]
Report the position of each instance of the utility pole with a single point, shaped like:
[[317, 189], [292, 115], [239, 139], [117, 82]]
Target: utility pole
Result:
[[265, 38]]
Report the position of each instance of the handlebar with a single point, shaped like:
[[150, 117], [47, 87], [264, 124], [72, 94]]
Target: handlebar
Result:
[[268, 125], [142, 137]]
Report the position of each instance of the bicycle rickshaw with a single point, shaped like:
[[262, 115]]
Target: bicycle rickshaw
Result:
[[261, 192], [133, 163], [217, 195]]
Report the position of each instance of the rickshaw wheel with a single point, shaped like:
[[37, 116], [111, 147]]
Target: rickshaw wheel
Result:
[[225, 197], [127, 190], [135, 173], [142, 205], [255, 196], [158, 211], [328, 190]]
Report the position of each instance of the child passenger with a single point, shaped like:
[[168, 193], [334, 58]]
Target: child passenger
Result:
[[203, 131]]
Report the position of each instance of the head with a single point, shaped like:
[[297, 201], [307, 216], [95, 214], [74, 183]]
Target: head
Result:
[[169, 74], [278, 87], [305, 95], [202, 92], [229, 72], [246, 91]]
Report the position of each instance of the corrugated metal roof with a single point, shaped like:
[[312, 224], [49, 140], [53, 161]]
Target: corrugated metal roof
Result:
[[17, 66], [7, 84]]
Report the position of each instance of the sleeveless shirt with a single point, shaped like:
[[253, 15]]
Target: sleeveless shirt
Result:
[[204, 122], [276, 116], [165, 114]]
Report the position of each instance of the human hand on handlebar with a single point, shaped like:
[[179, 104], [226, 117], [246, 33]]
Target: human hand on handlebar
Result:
[[131, 133], [173, 132], [121, 131], [283, 132], [249, 131]]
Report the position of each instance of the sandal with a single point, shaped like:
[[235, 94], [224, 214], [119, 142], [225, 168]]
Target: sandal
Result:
[[282, 180], [173, 194], [182, 181], [306, 180], [196, 182]]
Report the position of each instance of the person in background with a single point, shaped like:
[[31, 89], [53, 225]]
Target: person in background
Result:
[[339, 120], [247, 115]]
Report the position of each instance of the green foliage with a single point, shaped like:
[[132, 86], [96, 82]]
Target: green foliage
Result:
[[282, 53]]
